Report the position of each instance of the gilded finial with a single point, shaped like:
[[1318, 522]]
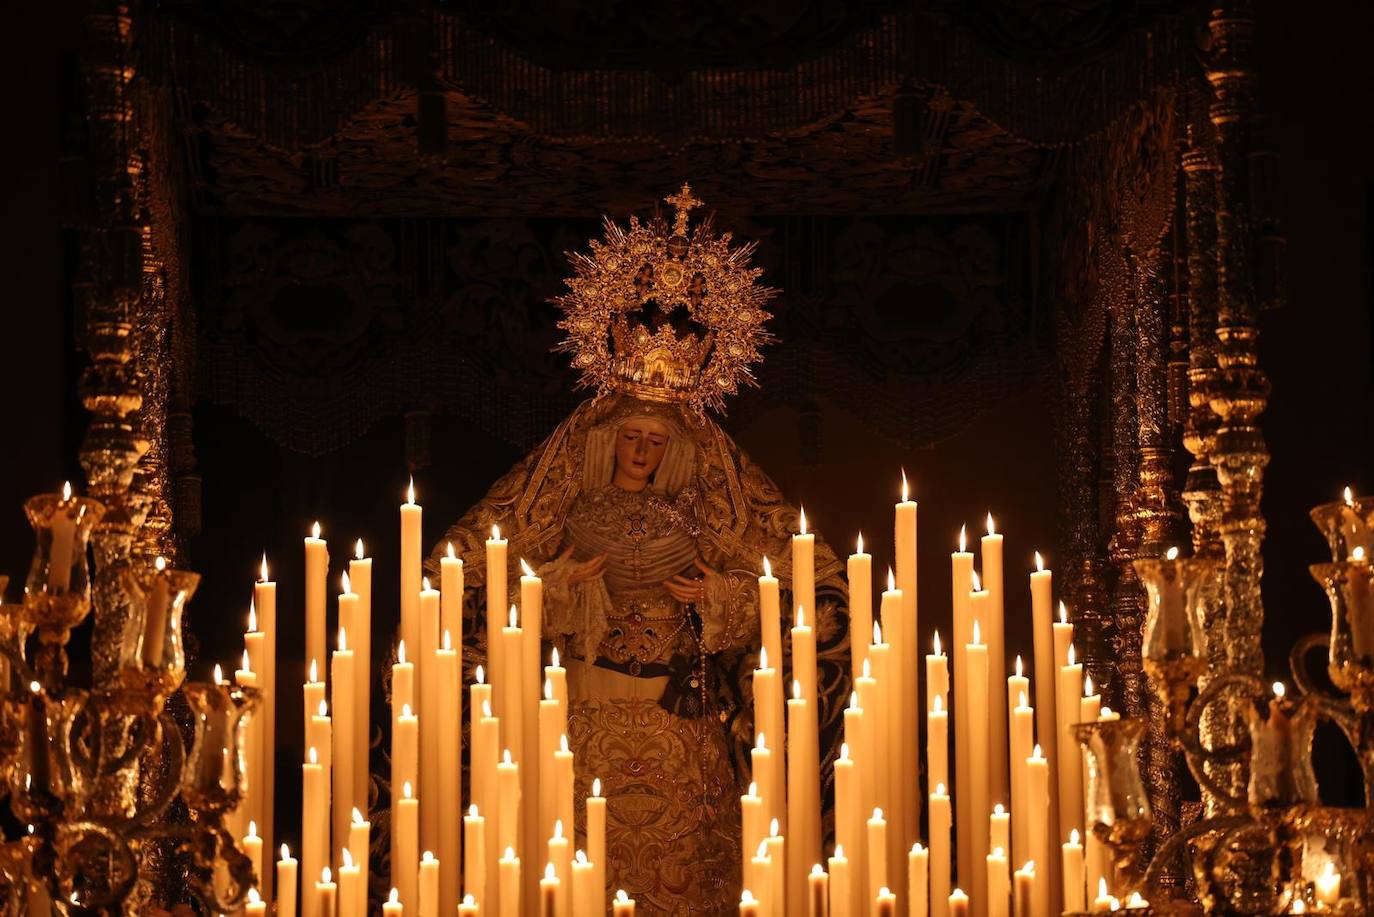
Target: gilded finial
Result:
[[683, 202]]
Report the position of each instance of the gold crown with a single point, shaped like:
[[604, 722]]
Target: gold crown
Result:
[[686, 276]]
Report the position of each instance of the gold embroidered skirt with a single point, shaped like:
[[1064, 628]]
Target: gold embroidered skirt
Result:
[[672, 804]]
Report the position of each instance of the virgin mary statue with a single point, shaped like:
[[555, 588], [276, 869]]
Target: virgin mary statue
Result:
[[648, 525]]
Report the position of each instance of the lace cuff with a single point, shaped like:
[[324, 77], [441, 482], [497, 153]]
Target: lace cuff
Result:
[[576, 611]]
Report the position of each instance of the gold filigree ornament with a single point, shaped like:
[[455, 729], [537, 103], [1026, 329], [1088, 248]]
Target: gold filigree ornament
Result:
[[666, 311]]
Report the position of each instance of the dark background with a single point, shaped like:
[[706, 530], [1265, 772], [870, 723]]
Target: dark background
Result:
[[1316, 76]]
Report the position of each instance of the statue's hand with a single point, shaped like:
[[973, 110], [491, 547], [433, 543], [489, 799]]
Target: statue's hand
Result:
[[581, 573], [691, 590]]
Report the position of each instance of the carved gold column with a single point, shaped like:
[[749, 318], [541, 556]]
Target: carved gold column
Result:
[[1240, 391]]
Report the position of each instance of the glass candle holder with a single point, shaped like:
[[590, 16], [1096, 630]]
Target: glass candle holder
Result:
[[1174, 648], [213, 779], [1118, 808], [1347, 524], [1281, 772], [1349, 586], [57, 593], [152, 658]]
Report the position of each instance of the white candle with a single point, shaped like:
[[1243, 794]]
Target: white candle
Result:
[[469, 907], [392, 906], [992, 621], [999, 883], [475, 860], [918, 881], [497, 601], [596, 842], [411, 558], [937, 743], [252, 848], [448, 798], [254, 906], [451, 592], [510, 884], [770, 617], [1042, 628], [623, 905], [584, 893], [428, 883], [350, 886], [940, 826], [360, 839], [977, 796], [1070, 765], [860, 570], [508, 793], [341, 760], [1023, 891], [286, 883], [1038, 787], [549, 887], [958, 903], [877, 854], [316, 572], [265, 601], [360, 638], [1075, 884], [560, 859], [961, 564], [817, 892], [748, 904], [325, 899], [1022, 741], [427, 674], [841, 884], [906, 668], [803, 567], [804, 743], [405, 850], [314, 823]]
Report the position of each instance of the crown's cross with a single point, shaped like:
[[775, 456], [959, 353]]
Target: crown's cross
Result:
[[682, 202]]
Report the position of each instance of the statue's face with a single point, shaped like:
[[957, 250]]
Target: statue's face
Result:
[[639, 447]]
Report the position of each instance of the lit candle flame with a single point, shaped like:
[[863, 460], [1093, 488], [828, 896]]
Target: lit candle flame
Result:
[[877, 634], [839, 851], [854, 700], [252, 828], [315, 529], [940, 790], [326, 877], [262, 571], [343, 640], [1072, 655], [938, 704], [400, 652], [877, 813], [763, 657], [1087, 686], [407, 791], [219, 675], [936, 642], [1063, 613], [977, 581], [548, 689], [1279, 689], [621, 897], [762, 743], [891, 581], [906, 496], [801, 617], [803, 521], [512, 617], [347, 859], [472, 811], [1171, 554], [549, 872], [867, 670], [963, 538], [252, 617], [314, 677], [324, 708], [66, 491], [410, 492], [505, 756], [357, 816], [358, 550], [557, 829], [486, 708], [1021, 699], [495, 532], [451, 555], [773, 828], [859, 544], [1039, 563], [1349, 497], [1075, 837], [313, 755], [553, 657], [347, 585], [844, 751], [395, 896], [1018, 666], [747, 897], [767, 567], [596, 786], [796, 689], [160, 564], [1036, 753], [481, 675], [581, 857], [246, 662], [446, 643], [992, 528], [1105, 713], [1357, 552], [253, 897], [285, 852], [525, 568], [977, 634]]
